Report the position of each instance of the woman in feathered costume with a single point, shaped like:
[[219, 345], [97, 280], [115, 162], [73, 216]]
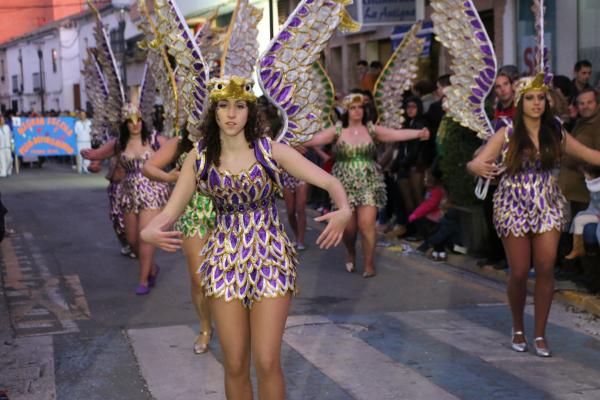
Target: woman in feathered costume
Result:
[[355, 147], [136, 142], [528, 205], [249, 266]]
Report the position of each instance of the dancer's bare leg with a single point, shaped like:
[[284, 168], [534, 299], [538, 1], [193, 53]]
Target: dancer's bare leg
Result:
[[192, 247], [518, 254], [146, 250], [349, 239], [301, 196], [267, 322], [232, 321], [367, 216], [544, 257]]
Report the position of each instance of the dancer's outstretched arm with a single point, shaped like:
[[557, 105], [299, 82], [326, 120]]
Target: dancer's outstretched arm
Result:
[[156, 232], [298, 166], [154, 167], [484, 162], [576, 149], [385, 134], [322, 138], [103, 152]]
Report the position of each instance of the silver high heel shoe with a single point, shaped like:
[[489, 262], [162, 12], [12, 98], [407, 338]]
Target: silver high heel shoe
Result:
[[541, 352], [519, 347]]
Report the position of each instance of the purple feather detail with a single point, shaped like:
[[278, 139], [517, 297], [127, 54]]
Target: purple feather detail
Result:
[[311, 116], [267, 61], [283, 95], [185, 35], [474, 100], [329, 4], [485, 78], [264, 74], [489, 61], [197, 66], [481, 36], [190, 45], [302, 11], [292, 110], [477, 92], [276, 46], [292, 125], [310, 1], [230, 275], [486, 49], [490, 72], [295, 22], [476, 24], [482, 84], [273, 79], [285, 36], [262, 234], [470, 13]]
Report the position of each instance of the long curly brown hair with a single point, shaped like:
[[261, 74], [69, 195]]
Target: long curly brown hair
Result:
[[521, 145], [255, 128]]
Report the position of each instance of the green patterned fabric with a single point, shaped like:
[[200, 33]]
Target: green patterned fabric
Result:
[[198, 217], [357, 170]]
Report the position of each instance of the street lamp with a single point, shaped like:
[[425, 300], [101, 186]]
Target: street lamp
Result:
[[121, 17], [41, 59]]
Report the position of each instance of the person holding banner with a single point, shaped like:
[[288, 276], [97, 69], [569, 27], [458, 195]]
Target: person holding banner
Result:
[[83, 130], [142, 198], [5, 148]]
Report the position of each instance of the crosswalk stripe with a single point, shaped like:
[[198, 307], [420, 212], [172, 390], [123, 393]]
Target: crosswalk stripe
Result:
[[170, 367], [554, 375], [343, 357]]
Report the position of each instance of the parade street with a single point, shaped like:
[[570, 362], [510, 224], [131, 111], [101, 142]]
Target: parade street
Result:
[[72, 327]]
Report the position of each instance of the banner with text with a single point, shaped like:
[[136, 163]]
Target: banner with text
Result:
[[373, 13], [45, 136]]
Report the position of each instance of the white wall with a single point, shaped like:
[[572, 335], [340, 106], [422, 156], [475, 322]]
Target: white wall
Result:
[[566, 37], [509, 23]]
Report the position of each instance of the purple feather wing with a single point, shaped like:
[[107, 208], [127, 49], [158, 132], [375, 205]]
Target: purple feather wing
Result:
[[284, 68], [458, 27], [192, 71]]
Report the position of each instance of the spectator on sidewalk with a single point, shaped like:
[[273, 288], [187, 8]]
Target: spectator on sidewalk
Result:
[[428, 214], [83, 132], [505, 96], [582, 72], [368, 81], [6, 159], [591, 215], [587, 132]]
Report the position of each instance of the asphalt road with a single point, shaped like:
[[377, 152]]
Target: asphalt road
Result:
[[418, 330]]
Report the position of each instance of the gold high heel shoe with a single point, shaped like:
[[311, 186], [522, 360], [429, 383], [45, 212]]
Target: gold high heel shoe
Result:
[[202, 341]]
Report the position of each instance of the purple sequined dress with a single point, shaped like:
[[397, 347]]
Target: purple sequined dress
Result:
[[291, 182], [139, 192], [248, 255], [528, 202]]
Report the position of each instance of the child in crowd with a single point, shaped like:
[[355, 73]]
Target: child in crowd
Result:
[[591, 215], [428, 214]]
